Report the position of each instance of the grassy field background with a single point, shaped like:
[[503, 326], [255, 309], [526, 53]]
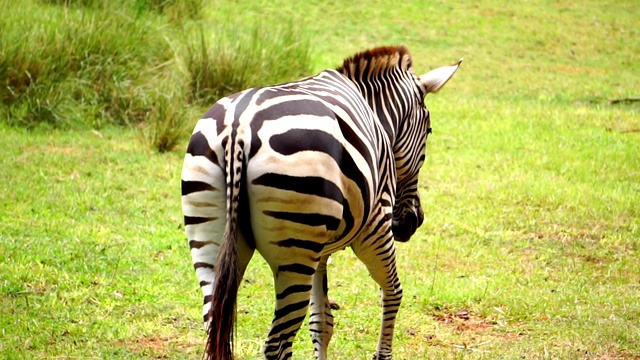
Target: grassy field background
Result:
[[531, 192]]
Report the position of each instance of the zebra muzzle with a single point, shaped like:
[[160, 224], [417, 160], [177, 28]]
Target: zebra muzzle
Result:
[[404, 227]]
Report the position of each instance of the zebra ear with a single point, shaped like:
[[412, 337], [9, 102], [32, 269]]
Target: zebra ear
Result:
[[435, 79]]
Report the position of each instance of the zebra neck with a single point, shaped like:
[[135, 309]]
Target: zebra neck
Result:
[[389, 103]]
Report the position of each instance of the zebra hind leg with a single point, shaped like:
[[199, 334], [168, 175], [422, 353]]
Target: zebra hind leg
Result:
[[380, 259], [321, 319], [293, 292]]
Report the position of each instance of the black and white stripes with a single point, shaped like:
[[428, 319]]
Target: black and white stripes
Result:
[[299, 171]]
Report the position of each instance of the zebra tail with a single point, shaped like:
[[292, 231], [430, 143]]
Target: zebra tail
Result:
[[222, 314]]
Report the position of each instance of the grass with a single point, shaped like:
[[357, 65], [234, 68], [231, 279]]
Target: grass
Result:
[[236, 58], [149, 64], [530, 191], [74, 66]]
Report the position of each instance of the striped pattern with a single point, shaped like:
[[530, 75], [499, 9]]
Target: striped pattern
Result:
[[298, 171]]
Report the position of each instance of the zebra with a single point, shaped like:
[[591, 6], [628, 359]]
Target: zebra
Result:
[[299, 171]]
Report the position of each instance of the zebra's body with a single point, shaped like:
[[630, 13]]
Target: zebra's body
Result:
[[299, 171]]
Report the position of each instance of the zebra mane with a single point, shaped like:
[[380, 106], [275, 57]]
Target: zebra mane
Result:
[[373, 62]]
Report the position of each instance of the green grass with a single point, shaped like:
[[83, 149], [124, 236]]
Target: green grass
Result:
[[237, 57], [531, 192], [148, 64], [74, 66]]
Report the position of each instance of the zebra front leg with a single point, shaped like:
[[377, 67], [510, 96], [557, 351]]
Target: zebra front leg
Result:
[[293, 284], [321, 319], [380, 259]]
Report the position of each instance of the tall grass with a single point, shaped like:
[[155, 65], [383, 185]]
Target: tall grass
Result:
[[167, 119], [234, 58], [74, 66], [90, 63], [176, 11]]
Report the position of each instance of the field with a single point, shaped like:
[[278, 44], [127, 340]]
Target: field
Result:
[[531, 192]]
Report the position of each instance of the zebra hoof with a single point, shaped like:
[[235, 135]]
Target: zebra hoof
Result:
[[382, 357]]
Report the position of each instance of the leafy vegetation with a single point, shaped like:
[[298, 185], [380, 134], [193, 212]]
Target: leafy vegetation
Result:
[[530, 190]]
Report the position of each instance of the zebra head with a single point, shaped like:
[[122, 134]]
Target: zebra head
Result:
[[412, 129]]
